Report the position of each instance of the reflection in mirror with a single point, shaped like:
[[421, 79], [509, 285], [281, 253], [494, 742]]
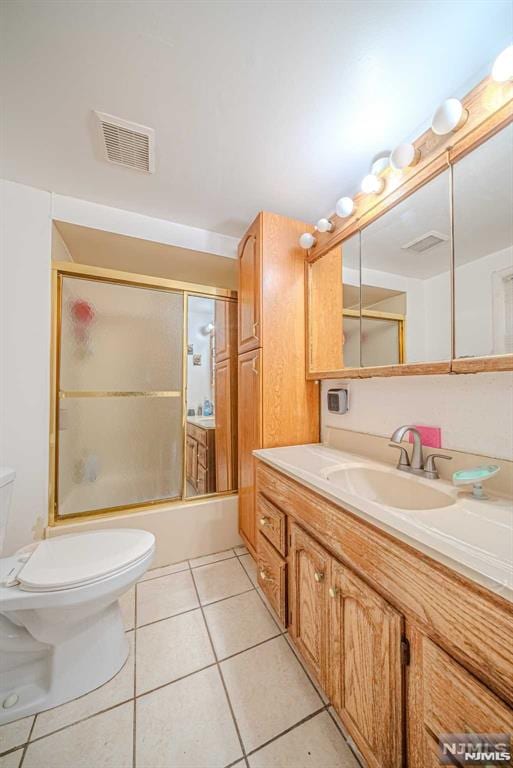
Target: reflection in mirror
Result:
[[210, 465], [351, 301], [483, 248], [406, 280]]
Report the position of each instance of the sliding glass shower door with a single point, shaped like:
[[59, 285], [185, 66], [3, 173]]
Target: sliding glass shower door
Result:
[[120, 394]]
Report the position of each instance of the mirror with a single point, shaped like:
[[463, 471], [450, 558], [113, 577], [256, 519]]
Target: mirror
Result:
[[334, 308], [483, 248], [406, 280], [211, 439]]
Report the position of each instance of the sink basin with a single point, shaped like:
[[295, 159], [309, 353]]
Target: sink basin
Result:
[[389, 488]]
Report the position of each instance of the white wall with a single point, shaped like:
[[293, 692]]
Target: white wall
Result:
[[25, 248], [474, 411]]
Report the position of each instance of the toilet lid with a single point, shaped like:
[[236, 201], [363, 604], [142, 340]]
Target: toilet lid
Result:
[[80, 558]]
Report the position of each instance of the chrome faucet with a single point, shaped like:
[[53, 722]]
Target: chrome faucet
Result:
[[416, 465]]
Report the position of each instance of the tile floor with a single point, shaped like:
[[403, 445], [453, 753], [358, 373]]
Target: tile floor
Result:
[[211, 681]]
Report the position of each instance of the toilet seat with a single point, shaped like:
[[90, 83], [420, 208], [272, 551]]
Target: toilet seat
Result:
[[77, 560]]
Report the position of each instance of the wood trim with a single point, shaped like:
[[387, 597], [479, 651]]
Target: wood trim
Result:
[[490, 108], [449, 608], [480, 364], [406, 369]]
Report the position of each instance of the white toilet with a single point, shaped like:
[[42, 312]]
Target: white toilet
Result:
[[61, 631]]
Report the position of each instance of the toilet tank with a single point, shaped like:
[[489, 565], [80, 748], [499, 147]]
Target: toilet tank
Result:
[[7, 476]]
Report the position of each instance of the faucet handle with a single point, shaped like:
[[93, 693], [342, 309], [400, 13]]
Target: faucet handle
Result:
[[404, 459], [430, 466]]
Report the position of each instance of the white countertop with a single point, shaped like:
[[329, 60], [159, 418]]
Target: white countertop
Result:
[[471, 536], [204, 422]]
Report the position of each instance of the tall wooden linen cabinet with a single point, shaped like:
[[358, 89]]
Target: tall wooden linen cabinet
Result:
[[276, 404]]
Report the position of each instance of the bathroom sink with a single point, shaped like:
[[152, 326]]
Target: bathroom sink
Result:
[[389, 488]]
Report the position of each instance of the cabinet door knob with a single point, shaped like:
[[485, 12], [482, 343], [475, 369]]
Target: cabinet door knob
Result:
[[333, 591], [264, 521], [318, 576], [263, 575]]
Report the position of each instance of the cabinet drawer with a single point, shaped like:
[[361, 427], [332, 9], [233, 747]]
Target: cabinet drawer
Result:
[[272, 523], [272, 573], [202, 455]]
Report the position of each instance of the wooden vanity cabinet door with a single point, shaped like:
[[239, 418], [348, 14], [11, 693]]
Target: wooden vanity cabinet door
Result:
[[249, 289], [250, 437], [308, 599], [365, 670], [444, 698]]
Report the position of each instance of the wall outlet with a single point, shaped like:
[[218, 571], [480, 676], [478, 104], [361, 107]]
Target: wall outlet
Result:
[[431, 436]]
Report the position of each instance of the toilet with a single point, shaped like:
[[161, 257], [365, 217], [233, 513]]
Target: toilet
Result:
[[61, 629]]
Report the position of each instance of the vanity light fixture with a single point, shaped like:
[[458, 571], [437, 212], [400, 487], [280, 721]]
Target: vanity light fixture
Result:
[[344, 207], [450, 116], [502, 69], [325, 225], [307, 241], [404, 156], [373, 184]]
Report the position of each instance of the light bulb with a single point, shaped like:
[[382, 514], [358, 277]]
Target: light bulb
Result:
[[450, 116], [307, 241], [325, 225], [502, 69], [373, 184], [404, 156], [344, 207]]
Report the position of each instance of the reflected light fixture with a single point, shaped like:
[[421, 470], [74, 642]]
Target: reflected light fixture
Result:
[[372, 184], [450, 116], [344, 207], [502, 69], [325, 225], [307, 241], [404, 156]]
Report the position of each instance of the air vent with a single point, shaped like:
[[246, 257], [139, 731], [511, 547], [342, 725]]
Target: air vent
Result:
[[126, 143], [425, 242]]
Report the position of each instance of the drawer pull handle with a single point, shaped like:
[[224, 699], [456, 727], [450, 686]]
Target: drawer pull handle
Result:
[[263, 575], [318, 576], [333, 591], [264, 521]]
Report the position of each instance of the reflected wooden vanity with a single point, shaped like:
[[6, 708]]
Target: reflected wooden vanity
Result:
[[404, 647]]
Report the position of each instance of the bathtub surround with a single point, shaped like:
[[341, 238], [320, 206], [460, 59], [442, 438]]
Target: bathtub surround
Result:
[[475, 412], [26, 216]]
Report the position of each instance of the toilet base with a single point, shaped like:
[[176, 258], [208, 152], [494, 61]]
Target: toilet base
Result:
[[45, 675]]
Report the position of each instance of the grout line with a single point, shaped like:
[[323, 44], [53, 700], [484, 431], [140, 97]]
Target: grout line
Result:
[[190, 610], [249, 648], [25, 747], [289, 729], [222, 678]]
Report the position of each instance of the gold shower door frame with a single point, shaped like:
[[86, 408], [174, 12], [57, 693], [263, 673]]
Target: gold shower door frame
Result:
[[65, 269]]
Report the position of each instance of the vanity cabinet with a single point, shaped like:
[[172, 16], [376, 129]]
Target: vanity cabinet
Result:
[[405, 648], [277, 405]]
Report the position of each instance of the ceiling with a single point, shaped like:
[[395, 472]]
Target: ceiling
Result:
[[98, 248], [276, 105]]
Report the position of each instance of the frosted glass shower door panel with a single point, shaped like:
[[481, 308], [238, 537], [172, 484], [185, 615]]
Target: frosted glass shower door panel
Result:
[[120, 338], [118, 451]]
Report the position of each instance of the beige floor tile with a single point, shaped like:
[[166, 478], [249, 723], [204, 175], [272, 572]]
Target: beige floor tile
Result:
[[12, 760], [166, 570], [221, 580], [269, 691], [211, 558], [316, 743], [127, 605], [271, 609], [165, 597], [238, 623], [249, 566], [14, 734], [171, 649], [102, 741], [117, 690], [186, 725], [312, 678], [241, 551]]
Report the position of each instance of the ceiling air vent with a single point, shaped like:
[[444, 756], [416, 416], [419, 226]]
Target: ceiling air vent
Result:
[[128, 144], [425, 242]]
